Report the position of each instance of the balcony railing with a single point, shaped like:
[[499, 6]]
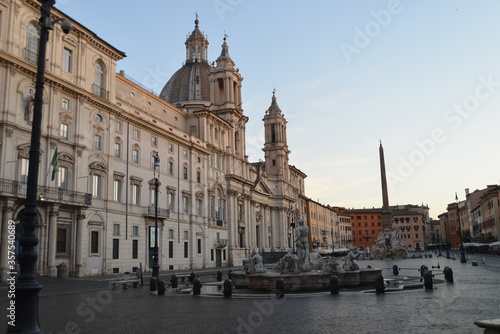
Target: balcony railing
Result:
[[50, 194], [162, 213], [99, 91]]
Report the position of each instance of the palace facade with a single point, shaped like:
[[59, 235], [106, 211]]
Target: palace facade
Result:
[[97, 214]]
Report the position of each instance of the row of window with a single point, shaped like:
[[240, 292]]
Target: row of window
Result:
[[217, 203], [62, 244], [135, 232], [31, 55], [366, 217], [372, 224]]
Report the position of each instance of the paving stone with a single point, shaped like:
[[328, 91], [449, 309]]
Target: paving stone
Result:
[[89, 306]]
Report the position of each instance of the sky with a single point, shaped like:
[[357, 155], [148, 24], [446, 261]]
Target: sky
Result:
[[423, 77]]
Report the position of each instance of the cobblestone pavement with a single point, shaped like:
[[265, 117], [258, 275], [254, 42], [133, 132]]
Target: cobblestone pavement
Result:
[[89, 306]]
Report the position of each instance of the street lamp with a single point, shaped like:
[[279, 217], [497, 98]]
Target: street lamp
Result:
[[292, 225], [27, 287], [156, 283], [462, 248]]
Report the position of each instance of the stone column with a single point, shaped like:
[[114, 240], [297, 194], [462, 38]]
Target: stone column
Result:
[[232, 227], [80, 220], [283, 228], [213, 83], [231, 91], [52, 239], [227, 89]]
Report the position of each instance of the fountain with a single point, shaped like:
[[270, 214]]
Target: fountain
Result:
[[388, 245], [303, 271]]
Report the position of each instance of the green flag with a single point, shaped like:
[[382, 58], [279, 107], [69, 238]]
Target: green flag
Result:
[[55, 164]]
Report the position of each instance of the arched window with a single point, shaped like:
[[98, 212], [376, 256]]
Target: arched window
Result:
[[220, 205], [32, 42], [100, 79], [97, 173]]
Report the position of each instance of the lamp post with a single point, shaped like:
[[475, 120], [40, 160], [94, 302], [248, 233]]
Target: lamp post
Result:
[[333, 244], [156, 284], [292, 225], [27, 287], [462, 248]]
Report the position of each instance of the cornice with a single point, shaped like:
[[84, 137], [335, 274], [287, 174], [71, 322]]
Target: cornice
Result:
[[82, 31]]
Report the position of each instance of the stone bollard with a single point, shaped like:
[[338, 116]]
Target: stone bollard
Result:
[[196, 286], [334, 285], [423, 268], [153, 283], [280, 288], [448, 274], [192, 277], [428, 280], [62, 270], [380, 285], [228, 289], [229, 273], [395, 270], [174, 281], [161, 286], [219, 276]]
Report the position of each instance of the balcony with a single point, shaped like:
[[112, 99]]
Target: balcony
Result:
[[220, 243], [162, 213], [46, 194], [99, 91]]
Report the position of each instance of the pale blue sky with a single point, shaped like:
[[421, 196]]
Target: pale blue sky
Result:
[[422, 76]]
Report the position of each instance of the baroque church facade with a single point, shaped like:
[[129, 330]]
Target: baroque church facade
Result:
[[97, 215]]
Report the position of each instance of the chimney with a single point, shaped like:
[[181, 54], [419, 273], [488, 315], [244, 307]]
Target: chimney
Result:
[[466, 192]]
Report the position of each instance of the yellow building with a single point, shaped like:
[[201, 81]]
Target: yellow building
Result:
[[323, 226]]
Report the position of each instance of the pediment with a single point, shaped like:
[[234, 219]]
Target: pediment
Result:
[[261, 187]]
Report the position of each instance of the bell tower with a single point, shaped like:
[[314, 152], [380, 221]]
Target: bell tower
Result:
[[225, 82], [275, 146]]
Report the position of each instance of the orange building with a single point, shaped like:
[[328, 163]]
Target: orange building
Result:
[[366, 226]]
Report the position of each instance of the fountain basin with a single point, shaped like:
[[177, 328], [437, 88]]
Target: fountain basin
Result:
[[309, 281]]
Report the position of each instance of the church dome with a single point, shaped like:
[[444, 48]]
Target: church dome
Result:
[[190, 82]]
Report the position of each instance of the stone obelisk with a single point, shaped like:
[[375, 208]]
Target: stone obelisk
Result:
[[386, 212]]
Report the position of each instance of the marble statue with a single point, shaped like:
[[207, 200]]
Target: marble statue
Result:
[[302, 243], [288, 264], [388, 245], [350, 260], [331, 266], [253, 264]]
